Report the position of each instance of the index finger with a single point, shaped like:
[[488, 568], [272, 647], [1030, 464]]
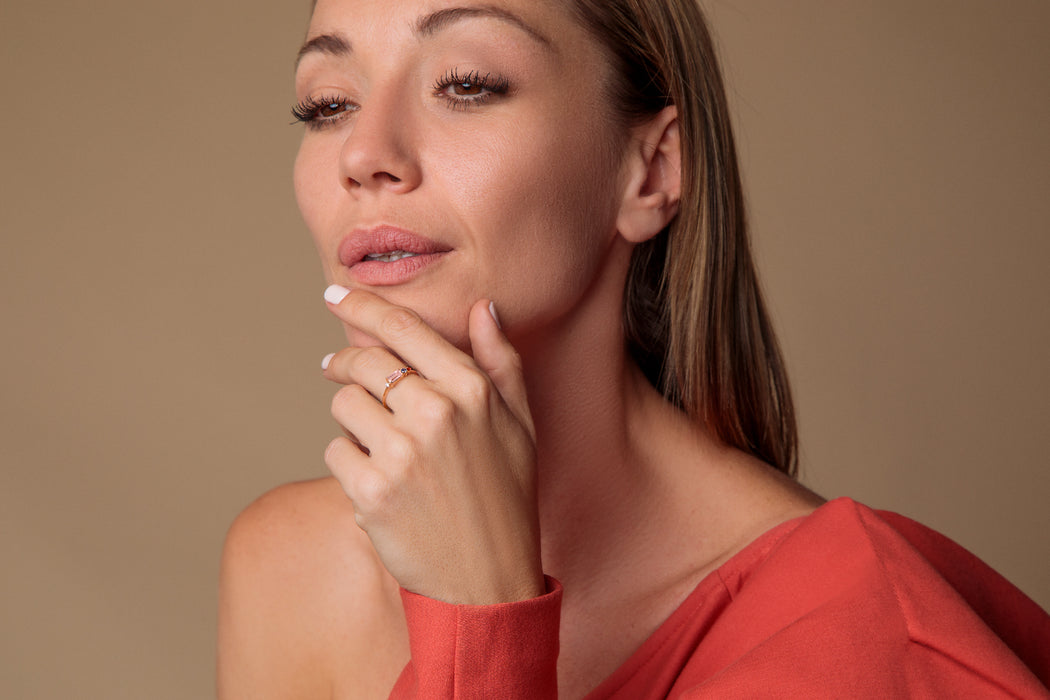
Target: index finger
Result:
[[401, 330]]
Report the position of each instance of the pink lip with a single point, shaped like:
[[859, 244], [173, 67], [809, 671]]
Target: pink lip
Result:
[[381, 240]]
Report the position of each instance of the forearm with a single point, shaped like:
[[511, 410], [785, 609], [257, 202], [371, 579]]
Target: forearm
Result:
[[509, 650]]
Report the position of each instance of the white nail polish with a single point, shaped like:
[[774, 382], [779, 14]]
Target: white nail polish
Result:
[[495, 317], [327, 360], [335, 294]]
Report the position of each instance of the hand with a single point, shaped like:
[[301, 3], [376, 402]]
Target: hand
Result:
[[444, 481]]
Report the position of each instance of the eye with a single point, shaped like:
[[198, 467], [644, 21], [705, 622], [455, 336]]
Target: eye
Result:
[[471, 89], [319, 112], [331, 109], [467, 88]]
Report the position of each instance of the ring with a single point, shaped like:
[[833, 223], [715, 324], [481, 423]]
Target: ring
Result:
[[394, 379]]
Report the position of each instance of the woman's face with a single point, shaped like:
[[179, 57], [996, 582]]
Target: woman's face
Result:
[[456, 150]]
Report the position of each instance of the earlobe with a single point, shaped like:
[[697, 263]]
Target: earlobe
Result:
[[653, 181]]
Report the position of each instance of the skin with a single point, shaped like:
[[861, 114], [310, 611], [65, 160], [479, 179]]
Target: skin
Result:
[[536, 447]]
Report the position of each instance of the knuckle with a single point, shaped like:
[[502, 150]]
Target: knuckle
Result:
[[346, 396], [401, 453], [400, 321], [514, 362], [372, 490], [435, 409], [475, 389], [370, 358]]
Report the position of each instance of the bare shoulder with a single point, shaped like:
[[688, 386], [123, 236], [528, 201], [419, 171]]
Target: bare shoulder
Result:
[[306, 609], [757, 497]]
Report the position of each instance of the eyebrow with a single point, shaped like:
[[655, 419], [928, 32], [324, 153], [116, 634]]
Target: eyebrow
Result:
[[428, 25], [436, 21], [331, 44]]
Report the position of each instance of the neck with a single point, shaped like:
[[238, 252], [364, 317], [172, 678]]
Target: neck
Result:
[[596, 417]]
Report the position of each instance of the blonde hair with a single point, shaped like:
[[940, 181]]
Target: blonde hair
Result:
[[693, 311]]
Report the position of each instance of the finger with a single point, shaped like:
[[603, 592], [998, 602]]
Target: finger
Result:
[[494, 354], [375, 369], [399, 329], [359, 414], [348, 465]]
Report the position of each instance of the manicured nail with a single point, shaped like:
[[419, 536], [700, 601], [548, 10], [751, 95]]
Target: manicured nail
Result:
[[327, 360], [495, 316], [335, 294]]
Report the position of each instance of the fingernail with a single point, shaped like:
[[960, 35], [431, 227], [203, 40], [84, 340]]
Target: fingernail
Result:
[[327, 360], [335, 294], [495, 316]]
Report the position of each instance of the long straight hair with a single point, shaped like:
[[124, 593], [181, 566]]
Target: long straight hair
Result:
[[693, 312]]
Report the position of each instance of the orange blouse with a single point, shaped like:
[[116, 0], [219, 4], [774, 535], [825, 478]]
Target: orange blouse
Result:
[[845, 602]]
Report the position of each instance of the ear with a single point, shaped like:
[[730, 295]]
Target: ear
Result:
[[653, 177]]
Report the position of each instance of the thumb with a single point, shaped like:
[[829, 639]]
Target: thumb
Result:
[[494, 354]]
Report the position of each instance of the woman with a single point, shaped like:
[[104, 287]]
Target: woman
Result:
[[568, 438]]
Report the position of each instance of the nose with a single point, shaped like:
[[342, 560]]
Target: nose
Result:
[[378, 152]]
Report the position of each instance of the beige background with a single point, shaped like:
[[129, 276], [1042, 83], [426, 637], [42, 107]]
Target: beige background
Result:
[[163, 321]]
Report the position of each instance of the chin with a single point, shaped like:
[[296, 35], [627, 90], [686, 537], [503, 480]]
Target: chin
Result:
[[454, 332]]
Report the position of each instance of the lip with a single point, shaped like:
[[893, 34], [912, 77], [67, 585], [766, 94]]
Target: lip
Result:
[[383, 239]]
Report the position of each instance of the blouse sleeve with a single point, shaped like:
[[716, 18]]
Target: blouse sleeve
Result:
[[508, 650]]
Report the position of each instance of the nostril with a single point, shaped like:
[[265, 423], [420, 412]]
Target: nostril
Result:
[[365, 171], [393, 179]]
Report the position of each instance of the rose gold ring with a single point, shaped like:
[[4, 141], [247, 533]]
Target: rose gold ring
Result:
[[394, 379]]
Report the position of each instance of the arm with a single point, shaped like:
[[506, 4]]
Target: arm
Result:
[[262, 651], [508, 650], [304, 605], [441, 474]]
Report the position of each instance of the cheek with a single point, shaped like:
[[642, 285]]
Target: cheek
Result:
[[534, 185], [561, 194], [315, 196], [543, 204], [309, 178], [304, 181]]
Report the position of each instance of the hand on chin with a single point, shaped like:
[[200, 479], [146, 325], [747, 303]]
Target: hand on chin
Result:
[[454, 330]]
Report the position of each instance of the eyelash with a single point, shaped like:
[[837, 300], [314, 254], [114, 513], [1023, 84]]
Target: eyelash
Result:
[[309, 110], [491, 85]]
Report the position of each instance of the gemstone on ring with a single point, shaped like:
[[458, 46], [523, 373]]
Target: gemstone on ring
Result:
[[394, 379], [397, 375]]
